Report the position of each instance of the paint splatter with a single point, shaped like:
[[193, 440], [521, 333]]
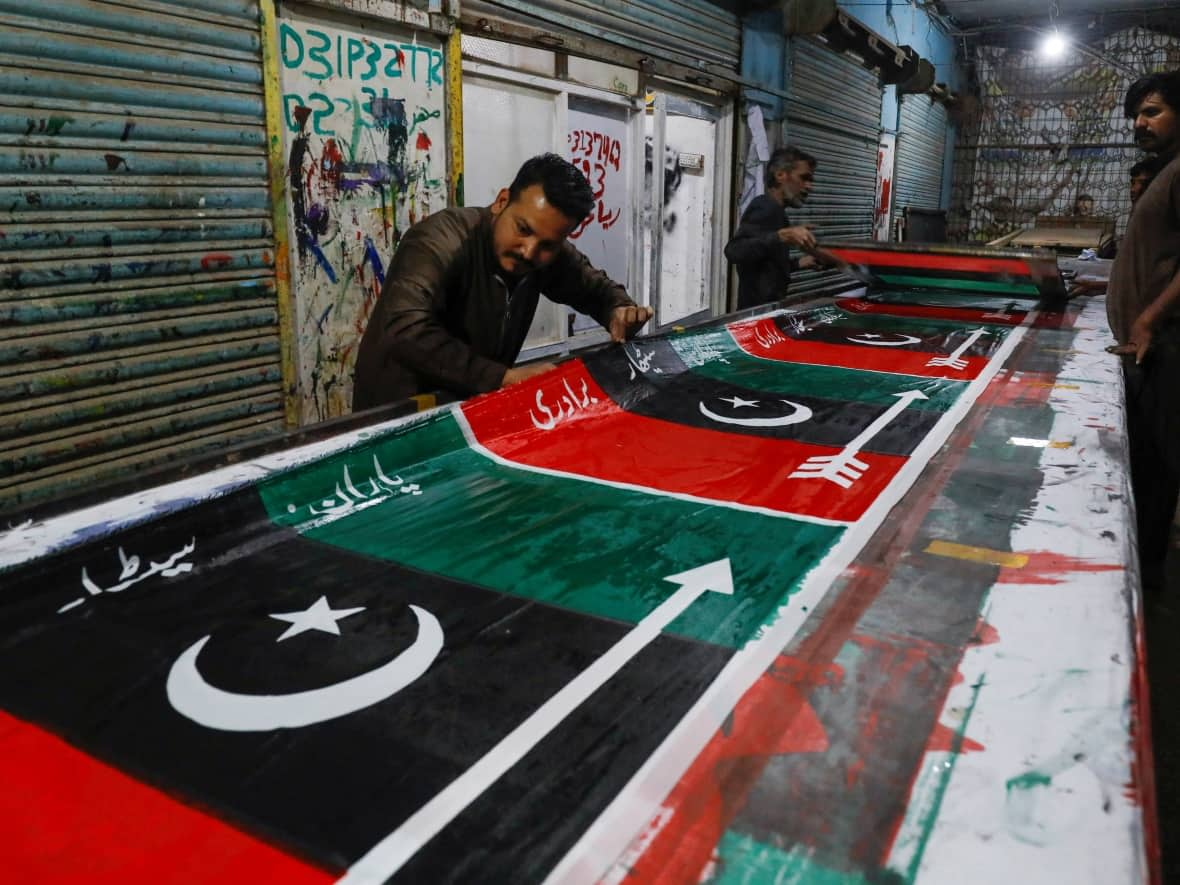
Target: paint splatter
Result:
[[389, 115], [1046, 567], [114, 161], [215, 261], [423, 142]]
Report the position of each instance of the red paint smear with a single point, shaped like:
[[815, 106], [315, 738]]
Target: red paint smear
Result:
[[1025, 389], [772, 718], [942, 740], [301, 114], [648, 452], [1055, 320], [215, 261], [423, 143], [67, 817], [966, 314], [1141, 789], [886, 185], [848, 356], [1046, 567], [930, 261], [985, 634], [331, 162]]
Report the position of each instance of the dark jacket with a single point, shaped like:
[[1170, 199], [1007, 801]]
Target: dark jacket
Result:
[[445, 320], [764, 262]]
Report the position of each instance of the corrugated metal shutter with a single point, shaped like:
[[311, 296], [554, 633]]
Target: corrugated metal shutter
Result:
[[921, 147], [834, 113], [137, 295], [688, 32]]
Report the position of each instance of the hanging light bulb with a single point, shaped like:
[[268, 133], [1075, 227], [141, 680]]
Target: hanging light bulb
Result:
[[1054, 45]]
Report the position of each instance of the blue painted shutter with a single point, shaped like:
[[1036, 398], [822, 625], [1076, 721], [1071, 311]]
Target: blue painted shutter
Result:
[[137, 296]]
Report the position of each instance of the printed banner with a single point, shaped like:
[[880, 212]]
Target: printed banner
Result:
[[833, 337], [449, 652]]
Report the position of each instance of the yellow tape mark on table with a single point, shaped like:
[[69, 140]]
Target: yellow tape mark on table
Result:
[[977, 554]]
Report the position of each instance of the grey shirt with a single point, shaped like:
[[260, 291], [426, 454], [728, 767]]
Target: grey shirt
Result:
[[1149, 255]]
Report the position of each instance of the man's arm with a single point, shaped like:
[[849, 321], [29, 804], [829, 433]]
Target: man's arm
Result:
[[756, 235], [1145, 324], [761, 231], [414, 300], [576, 282]]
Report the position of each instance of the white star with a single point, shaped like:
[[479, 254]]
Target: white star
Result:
[[737, 401], [320, 616]]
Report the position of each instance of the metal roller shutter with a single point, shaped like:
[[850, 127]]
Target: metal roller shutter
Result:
[[695, 33], [137, 289], [834, 114], [921, 147]]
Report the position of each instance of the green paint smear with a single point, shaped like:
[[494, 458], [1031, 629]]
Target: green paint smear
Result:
[[1027, 781], [580, 545], [743, 860], [927, 825], [964, 285], [715, 355]]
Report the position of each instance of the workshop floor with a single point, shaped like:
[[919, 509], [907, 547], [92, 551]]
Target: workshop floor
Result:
[[1162, 613]]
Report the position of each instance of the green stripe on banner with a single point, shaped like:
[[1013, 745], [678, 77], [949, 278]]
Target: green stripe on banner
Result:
[[965, 285], [422, 498], [715, 354]]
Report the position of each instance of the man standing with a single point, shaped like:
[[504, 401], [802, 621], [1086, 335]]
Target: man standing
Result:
[[463, 286], [760, 247], [1143, 314]]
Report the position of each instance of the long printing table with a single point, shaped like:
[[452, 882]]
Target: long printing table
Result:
[[839, 594]]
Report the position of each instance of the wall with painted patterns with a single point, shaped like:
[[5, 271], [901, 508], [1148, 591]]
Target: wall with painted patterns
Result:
[[364, 107]]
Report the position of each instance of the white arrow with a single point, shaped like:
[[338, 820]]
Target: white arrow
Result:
[[391, 853], [953, 359], [845, 468]]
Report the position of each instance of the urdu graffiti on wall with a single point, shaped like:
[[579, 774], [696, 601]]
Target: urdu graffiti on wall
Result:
[[364, 118], [599, 156]]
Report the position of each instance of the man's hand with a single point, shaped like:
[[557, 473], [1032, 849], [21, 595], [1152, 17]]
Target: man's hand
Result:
[[1140, 339], [799, 236], [626, 321], [523, 373], [807, 262], [1087, 287]]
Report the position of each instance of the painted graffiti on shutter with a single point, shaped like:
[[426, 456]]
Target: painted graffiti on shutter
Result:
[[597, 141], [366, 154]]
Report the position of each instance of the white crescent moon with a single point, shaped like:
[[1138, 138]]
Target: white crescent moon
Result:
[[213, 707], [801, 414], [909, 339]]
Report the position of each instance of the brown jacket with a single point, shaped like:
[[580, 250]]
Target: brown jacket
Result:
[[446, 320]]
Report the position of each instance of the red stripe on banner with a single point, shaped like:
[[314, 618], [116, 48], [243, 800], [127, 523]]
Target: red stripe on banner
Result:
[[68, 817], [930, 261], [765, 340], [965, 314], [540, 423]]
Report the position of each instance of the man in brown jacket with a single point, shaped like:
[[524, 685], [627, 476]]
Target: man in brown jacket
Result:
[[462, 289]]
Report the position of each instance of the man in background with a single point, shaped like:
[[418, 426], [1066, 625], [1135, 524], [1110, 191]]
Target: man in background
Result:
[[463, 286], [1142, 308], [761, 245]]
